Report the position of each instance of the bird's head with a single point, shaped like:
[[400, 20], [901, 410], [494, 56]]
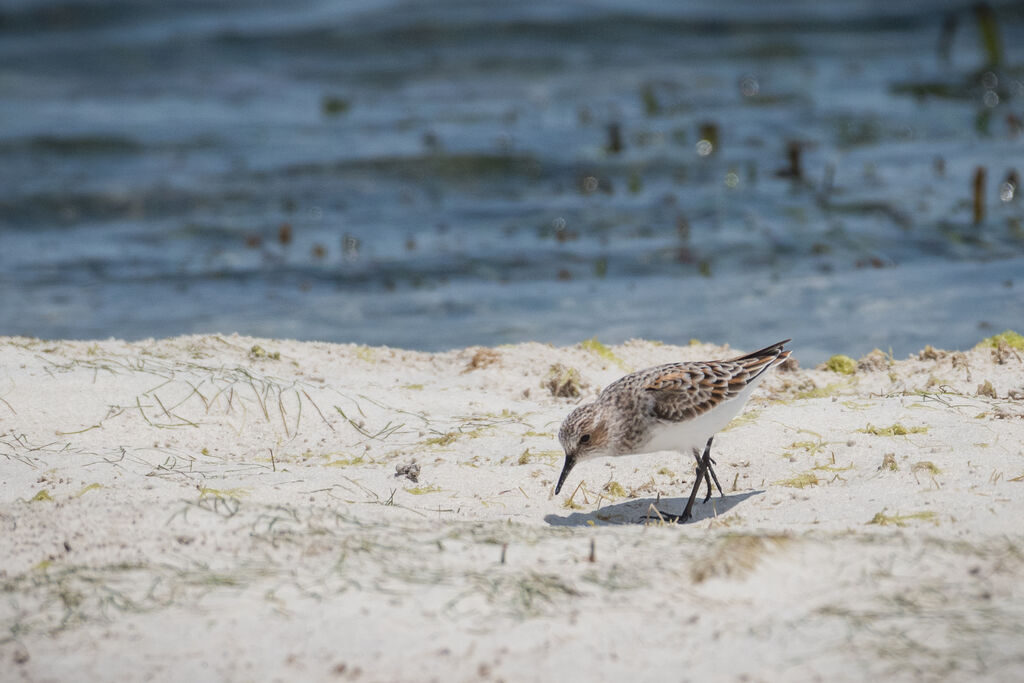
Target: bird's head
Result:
[[584, 434]]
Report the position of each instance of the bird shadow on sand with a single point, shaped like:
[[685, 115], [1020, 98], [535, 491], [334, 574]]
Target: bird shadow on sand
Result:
[[645, 511]]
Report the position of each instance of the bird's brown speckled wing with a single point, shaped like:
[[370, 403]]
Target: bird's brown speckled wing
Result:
[[682, 391]]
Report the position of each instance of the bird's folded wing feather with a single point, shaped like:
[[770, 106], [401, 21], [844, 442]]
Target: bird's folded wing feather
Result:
[[686, 390]]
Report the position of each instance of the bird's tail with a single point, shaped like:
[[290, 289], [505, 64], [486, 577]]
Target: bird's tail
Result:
[[762, 359]]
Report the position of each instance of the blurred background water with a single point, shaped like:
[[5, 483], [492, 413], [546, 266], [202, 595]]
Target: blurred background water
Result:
[[439, 174]]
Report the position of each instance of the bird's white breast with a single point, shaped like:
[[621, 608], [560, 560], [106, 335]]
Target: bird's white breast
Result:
[[694, 433]]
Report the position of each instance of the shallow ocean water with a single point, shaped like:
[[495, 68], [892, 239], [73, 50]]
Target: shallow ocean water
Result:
[[436, 175]]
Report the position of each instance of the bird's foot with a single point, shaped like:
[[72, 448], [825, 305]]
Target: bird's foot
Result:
[[656, 515]]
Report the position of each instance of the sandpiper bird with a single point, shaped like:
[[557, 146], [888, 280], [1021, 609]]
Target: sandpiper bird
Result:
[[673, 407]]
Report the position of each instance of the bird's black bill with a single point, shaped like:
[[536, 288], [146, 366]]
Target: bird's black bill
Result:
[[566, 468]]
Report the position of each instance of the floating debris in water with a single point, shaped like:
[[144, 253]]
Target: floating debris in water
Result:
[[564, 234], [350, 247], [614, 145], [1008, 190], [431, 142], [794, 150], [979, 195], [636, 183], [1014, 124], [708, 143], [332, 105], [989, 28], [949, 24], [749, 86], [650, 100], [682, 228]]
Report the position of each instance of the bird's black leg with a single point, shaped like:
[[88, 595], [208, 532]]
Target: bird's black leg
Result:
[[711, 470], [706, 477], [702, 471], [710, 473], [705, 473]]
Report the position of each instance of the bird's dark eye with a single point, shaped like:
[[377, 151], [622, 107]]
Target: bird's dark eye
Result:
[[585, 439]]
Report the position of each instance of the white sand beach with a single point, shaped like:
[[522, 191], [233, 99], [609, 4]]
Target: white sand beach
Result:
[[227, 508]]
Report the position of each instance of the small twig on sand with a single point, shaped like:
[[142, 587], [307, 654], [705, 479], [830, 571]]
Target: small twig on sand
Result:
[[9, 406], [329, 425]]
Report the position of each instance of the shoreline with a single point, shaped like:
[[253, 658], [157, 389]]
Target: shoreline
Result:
[[229, 507]]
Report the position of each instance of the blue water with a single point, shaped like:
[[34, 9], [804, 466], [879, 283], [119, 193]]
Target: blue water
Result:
[[448, 175]]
